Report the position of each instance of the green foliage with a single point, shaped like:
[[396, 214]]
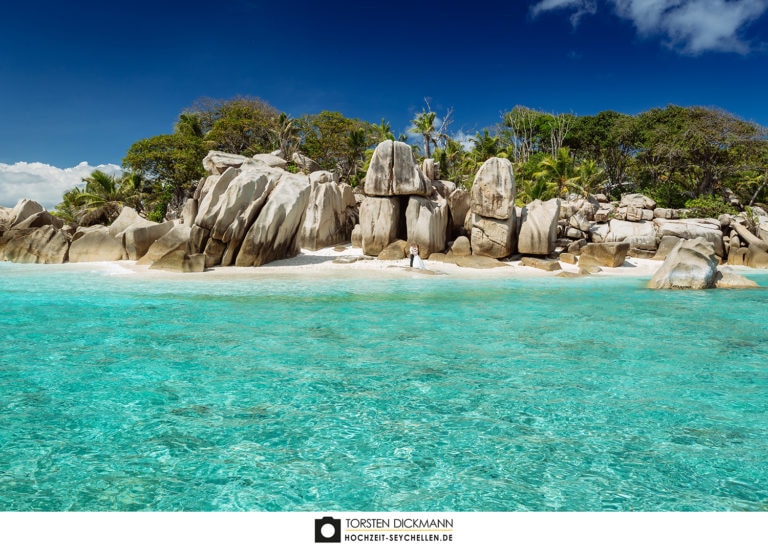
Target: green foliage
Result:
[[172, 163], [243, 125], [708, 206], [337, 143]]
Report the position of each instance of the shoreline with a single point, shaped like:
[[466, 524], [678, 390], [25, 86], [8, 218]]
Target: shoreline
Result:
[[320, 264]]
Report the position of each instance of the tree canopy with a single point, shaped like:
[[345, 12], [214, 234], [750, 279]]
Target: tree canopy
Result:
[[674, 154]]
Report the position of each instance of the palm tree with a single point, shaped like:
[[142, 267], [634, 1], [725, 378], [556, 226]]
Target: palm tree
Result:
[[286, 135], [384, 131], [486, 146], [536, 189], [558, 169], [424, 125], [589, 176]]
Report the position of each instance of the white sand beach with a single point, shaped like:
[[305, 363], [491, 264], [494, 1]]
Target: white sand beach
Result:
[[321, 263]]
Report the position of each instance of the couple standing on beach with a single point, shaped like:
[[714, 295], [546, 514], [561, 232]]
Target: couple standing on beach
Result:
[[414, 254]]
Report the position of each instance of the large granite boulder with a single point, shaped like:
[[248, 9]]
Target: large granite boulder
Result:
[[328, 218], [177, 238], [458, 205], [305, 163], [43, 245], [41, 218], [139, 237], [210, 194], [217, 162], [637, 201], [271, 160], [127, 217], [426, 222], [23, 209], [692, 264], [639, 235], [393, 172], [378, 223], [493, 191], [494, 238], [180, 261], [689, 229], [274, 234], [538, 228], [94, 245], [611, 255]]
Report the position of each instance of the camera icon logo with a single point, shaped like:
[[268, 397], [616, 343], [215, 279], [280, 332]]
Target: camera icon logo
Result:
[[327, 529]]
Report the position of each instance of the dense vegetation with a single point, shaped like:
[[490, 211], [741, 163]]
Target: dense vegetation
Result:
[[680, 156]]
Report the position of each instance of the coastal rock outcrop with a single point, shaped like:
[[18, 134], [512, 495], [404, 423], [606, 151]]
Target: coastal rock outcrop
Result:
[[378, 223], [492, 210], [331, 213], [393, 172], [538, 228], [274, 234], [692, 264], [426, 222], [609, 255], [175, 239], [95, 244], [44, 245]]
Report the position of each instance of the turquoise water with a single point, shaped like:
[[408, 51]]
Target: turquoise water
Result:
[[435, 394]]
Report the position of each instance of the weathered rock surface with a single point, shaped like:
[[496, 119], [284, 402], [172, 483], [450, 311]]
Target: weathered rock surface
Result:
[[23, 209], [666, 245], [217, 162], [426, 222], [378, 223], [356, 238], [611, 255], [493, 192], [274, 234], [393, 172], [692, 264], [180, 261], [538, 229], [639, 235], [175, 239], [43, 245], [95, 245], [270, 160], [305, 163], [637, 201], [549, 265], [461, 247], [36, 220], [328, 220], [727, 279], [395, 251], [689, 229], [139, 237], [492, 238], [458, 205]]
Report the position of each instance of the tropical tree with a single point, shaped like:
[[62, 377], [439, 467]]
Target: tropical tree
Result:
[[336, 143], [424, 125], [558, 170], [589, 176]]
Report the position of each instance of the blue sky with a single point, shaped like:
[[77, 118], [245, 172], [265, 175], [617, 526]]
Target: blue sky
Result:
[[82, 82]]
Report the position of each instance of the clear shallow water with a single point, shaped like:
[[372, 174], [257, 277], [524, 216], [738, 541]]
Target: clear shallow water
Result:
[[379, 395]]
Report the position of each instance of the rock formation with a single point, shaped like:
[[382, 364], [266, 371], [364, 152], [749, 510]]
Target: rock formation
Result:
[[538, 227], [492, 207], [692, 264]]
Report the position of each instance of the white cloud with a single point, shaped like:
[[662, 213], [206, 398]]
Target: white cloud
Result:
[[580, 7], [689, 26], [43, 183]]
